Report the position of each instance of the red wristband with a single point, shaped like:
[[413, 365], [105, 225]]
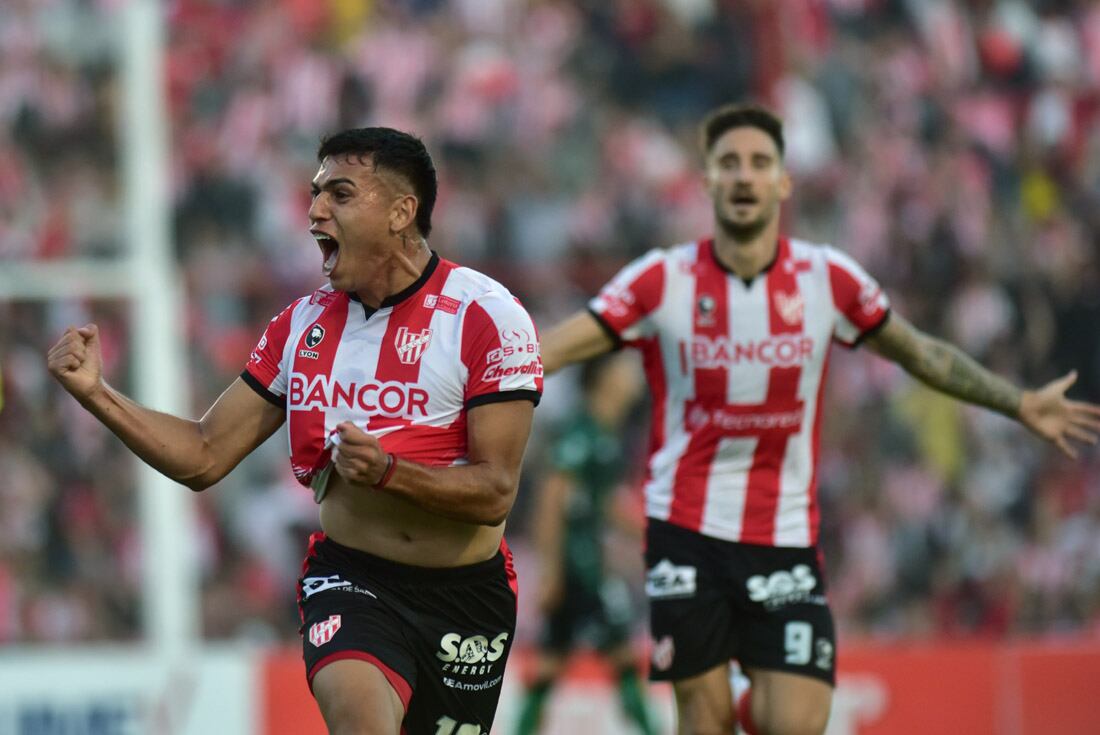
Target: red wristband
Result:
[[391, 466]]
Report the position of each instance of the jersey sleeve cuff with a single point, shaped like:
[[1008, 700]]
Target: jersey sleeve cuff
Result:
[[508, 395], [871, 332], [607, 328], [256, 385]]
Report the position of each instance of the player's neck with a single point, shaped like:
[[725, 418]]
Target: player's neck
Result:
[[747, 258], [399, 272]]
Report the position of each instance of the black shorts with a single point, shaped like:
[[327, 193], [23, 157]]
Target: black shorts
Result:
[[441, 636], [712, 600], [596, 618]]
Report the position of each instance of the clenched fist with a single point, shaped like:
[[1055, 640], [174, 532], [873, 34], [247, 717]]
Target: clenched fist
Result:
[[359, 458], [76, 361]]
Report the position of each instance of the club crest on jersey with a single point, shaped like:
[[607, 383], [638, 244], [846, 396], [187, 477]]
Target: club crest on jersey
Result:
[[790, 307], [704, 310], [411, 345], [322, 632], [315, 335]]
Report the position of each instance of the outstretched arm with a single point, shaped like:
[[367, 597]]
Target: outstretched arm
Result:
[[943, 366], [193, 453], [578, 338]]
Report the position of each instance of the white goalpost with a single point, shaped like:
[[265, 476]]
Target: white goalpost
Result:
[[170, 578], [169, 682]]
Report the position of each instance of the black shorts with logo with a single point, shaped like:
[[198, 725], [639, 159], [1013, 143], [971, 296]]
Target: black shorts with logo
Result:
[[441, 636], [712, 600]]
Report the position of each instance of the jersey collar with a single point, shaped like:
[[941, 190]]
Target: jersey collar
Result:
[[782, 252], [397, 298]]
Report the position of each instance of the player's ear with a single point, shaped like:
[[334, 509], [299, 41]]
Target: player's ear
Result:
[[403, 212], [708, 175], [785, 185]]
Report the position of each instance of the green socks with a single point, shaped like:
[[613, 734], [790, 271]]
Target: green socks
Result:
[[630, 694], [531, 714]]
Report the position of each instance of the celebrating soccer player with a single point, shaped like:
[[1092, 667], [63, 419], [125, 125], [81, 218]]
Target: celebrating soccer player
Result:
[[408, 385], [735, 331]]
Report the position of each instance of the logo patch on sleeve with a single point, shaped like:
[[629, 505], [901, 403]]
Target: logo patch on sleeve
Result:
[[322, 632], [315, 335]]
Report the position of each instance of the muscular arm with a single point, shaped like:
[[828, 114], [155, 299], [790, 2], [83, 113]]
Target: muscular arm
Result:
[[578, 338], [480, 492], [944, 367], [1045, 411], [194, 453]]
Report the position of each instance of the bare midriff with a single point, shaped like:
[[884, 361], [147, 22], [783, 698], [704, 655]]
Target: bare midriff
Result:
[[379, 523]]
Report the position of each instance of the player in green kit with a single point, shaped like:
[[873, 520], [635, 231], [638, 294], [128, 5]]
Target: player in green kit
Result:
[[580, 605]]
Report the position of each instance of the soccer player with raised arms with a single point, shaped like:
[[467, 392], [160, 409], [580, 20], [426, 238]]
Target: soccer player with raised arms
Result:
[[408, 385], [734, 332]]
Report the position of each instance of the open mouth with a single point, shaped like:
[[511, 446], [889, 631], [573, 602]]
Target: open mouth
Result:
[[330, 248]]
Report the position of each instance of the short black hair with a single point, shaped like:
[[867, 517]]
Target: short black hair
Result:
[[395, 151], [728, 117]]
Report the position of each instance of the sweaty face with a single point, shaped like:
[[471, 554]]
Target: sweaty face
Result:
[[746, 181], [349, 218]]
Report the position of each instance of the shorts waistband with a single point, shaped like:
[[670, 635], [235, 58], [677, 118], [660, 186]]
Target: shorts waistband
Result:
[[491, 568]]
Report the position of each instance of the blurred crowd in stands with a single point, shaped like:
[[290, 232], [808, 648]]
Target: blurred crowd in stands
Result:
[[951, 147]]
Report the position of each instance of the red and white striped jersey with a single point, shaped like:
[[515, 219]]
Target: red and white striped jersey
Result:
[[736, 371], [406, 372]]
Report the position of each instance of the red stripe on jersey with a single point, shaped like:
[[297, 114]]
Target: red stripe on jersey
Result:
[[307, 427], [860, 308], [510, 569], [627, 306], [480, 337], [654, 366], [264, 362], [408, 336], [710, 319], [786, 311], [435, 446]]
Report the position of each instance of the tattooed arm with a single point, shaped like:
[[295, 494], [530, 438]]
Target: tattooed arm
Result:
[[943, 366]]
